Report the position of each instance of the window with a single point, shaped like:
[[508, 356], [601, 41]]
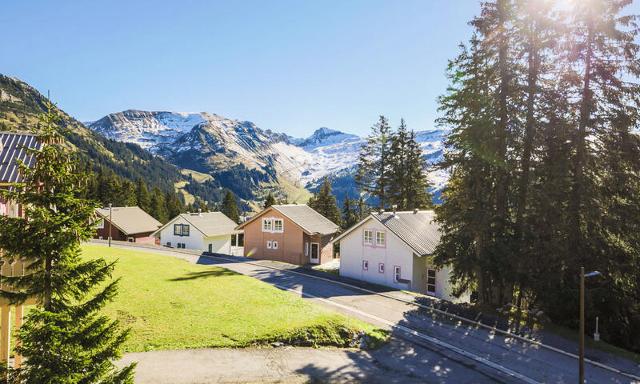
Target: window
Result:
[[181, 229], [380, 239], [240, 239], [267, 225], [100, 224], [365, 265], [168, 243], [278, 225], [234, 240], [381, 268], [274, 244], [431, 281], [368, 236], [131, 239], [269, 244], [306, 248], [396, 274]]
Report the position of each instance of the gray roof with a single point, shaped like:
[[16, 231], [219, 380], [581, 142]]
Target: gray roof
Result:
[[130, 220], [419, 230], [306, 217], [13, 147], [210, 223]]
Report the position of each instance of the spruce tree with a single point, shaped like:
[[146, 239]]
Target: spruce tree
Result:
[[230, 207], [143, 197], [158, 206], [269, 201], [350, 215], [324, 202], [65, 338], [372, 175]]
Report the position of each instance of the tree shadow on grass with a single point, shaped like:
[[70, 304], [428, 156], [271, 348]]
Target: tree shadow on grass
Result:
[[218, 272]]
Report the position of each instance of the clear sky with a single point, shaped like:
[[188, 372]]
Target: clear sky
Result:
[[291, 66]]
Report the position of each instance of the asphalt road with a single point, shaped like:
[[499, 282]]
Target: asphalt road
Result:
[[459, 350]]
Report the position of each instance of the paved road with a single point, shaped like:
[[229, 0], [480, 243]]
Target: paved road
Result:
[[481, 353], [396, 363]]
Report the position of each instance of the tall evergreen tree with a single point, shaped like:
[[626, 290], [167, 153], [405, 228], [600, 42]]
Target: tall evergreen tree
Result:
[[65, 338], [143, 197], [158, 206], [350, 215], [324, 202], [230, 207], [372, 175], [269, 201]]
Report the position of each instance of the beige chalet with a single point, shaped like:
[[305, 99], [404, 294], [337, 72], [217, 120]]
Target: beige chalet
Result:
[[289, 233]]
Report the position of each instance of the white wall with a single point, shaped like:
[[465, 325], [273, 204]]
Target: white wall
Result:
[[193, 241], [222, 244], [396, 252]]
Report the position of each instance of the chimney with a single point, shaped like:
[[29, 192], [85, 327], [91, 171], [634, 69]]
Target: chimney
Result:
[[380, 211], [394, 207], [199, 211], [415, 210]]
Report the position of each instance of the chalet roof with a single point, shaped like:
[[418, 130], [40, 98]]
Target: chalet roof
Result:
[[418, 229], [208, 223], [130, 220], [304, 216], [13, 147]]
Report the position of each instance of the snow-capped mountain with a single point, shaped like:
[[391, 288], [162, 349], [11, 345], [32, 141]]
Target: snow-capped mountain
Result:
[[245, 157], [147, 129]]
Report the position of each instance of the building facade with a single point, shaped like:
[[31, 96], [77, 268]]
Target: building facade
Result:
[[292, 233], [211, 232], [393, 249], [130, 224]]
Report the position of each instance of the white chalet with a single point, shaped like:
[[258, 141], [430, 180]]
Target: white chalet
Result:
[[211, 232], [393, 249]]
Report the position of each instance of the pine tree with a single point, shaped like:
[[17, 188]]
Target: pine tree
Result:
[[399, 178], [269, 201], [408, 182], [65, 338], [230, 207], [324, 202], [350, 215], [158, 206], [372, 175], [142, 196]]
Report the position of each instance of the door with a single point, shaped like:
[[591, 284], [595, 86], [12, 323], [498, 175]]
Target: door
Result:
[[431, 281], [314, 256]]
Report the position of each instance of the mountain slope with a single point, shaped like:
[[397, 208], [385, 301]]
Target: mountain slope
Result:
[[20, 106], [247, 159]]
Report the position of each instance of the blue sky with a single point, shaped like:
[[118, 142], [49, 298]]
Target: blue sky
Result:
[[291, 66]]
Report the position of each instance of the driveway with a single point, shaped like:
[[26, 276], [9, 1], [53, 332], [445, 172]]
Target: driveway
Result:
[[436, 340]]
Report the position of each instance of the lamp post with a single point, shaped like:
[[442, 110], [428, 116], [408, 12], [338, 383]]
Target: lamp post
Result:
[[581, 359], [109, 224]]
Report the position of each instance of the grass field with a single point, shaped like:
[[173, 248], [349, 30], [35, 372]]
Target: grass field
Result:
[[171, 304]]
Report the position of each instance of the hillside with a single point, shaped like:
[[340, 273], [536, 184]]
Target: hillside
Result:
[[20, 106], [247, 159]]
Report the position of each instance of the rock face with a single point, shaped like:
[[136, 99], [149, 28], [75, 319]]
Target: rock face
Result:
[[236, 150]]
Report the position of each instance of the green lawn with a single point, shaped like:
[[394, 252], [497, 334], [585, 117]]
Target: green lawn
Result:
[[171, 304]]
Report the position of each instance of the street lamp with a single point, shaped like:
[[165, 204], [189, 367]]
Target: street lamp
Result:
[[581, 359], [109, 224]]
